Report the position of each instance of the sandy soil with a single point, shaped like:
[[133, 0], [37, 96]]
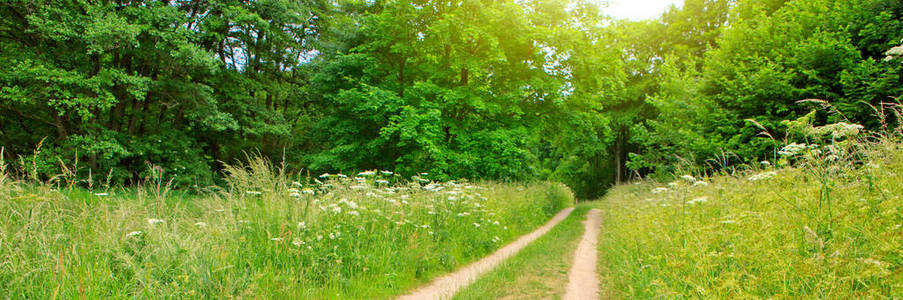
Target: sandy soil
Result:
[[583, 281], [445, 287]]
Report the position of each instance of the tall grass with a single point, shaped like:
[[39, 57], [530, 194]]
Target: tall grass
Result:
[[265, 234], [825, 224]]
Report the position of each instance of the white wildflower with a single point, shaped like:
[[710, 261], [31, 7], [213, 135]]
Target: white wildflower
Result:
[[765, 163], [276, 239], [200, 224], [367, 173], [792, 149], [133, 234], [387, 172], [298, 184], [155, 221], [659, 190], [762, 176], [698, 200], [354, 213], [430, 232], [319, 237], [324, 175], [476, 225], [252, 193], [308, 191], [101, 194], [297, 243], [673, 184], [700, 183], [382, 181], [340, 175], [688, 178]]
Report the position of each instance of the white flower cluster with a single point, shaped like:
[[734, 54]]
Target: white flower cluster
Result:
[[840, 130], [762, 176]]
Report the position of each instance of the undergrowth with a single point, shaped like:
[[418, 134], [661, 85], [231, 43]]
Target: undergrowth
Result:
[[823, 220], [266, 234]]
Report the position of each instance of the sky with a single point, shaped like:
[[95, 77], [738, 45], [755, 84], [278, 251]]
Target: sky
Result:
[[638, 9]]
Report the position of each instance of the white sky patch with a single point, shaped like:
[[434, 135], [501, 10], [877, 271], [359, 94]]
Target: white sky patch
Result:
[[638, 9]]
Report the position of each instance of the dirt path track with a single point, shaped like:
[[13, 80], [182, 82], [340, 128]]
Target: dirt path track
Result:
[[583, 282], [445, 287]]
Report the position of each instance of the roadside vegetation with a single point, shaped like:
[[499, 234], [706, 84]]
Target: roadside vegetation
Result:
[[823, 220], [265, 234]]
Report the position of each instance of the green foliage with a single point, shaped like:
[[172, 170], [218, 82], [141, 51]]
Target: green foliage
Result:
[[826, 227], [264, 235]]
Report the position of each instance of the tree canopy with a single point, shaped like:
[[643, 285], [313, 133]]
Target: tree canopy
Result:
[[477, 89]]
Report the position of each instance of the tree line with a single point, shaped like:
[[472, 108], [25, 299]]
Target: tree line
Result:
[[478, 89]]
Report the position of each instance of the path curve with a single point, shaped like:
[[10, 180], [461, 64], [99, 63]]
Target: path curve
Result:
[[583, 283], [445, 287]]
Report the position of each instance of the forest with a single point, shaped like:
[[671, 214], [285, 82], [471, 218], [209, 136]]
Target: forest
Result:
[[503, 90]]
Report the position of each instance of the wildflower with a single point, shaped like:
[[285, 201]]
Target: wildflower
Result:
[[360, 179], [496, 239], [341, 175], [430, 232], [452, 198], [324, 175], [337, 209], [765, 163], [200, 224], [155, 221], [298, 184], [425, 226], [700, 183], [792, 149], [386, 172], [302, 225], [101, 194], [276, 239], [358, 187], [297, 243], [308, 191], [331, 236], [133, 234], [698, 200], [476, 225], [382, 181], [252, 193], [319, 237], [688, 178], [295, 195], [463, 214], [431, 212], [659, 190], [367, 173], [354, 213], [762, 176], [495, 222]]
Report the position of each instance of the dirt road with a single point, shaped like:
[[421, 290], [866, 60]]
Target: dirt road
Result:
[[445, 287], [583, 282]]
